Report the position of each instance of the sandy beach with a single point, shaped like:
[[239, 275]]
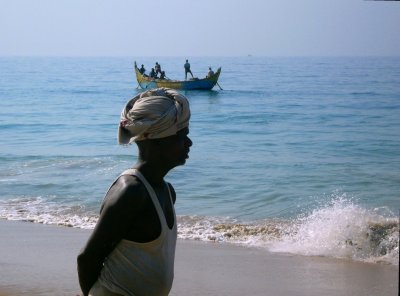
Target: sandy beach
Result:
[[41, 260]]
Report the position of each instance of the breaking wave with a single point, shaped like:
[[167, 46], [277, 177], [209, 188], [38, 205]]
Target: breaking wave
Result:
[[339, 228]]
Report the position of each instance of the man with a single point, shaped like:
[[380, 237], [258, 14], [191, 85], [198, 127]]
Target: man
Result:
[[142, 70], [157, 68], [131, 250], [153, 73], [187, 69], [210, 72], [162, 76]]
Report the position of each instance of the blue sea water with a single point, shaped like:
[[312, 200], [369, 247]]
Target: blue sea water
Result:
[[298, 155]]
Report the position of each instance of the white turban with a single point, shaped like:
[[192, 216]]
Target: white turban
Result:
[[153, 114]]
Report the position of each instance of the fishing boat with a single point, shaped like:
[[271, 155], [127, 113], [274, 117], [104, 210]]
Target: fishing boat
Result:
[[146, 82]]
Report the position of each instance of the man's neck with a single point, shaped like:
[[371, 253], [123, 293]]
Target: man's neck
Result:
[[154, 174]]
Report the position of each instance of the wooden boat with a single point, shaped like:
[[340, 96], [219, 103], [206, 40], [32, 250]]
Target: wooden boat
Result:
[[207, 83]]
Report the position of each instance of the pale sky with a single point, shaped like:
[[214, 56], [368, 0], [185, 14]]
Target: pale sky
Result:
[[199, 28]]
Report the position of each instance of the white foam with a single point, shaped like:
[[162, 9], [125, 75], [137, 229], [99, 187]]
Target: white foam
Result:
[[344, 230], [39, 210]]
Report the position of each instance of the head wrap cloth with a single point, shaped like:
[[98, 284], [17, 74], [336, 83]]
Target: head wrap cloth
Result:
[[153, 114]]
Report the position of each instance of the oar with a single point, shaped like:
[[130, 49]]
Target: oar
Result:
[[219, 86]]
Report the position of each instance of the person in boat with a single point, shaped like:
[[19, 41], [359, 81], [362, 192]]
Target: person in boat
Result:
[[210, 72], [142, 70], [162, 75], [131, 250], [153, 73], [157, 68], [187, 69]]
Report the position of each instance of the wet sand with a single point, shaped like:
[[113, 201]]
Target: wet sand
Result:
[[41, 260]]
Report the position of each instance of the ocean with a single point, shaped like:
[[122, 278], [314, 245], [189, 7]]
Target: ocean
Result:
[[295, 154]]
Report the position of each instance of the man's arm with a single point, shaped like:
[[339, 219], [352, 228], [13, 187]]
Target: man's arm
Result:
[[112, 226], [90, 260]]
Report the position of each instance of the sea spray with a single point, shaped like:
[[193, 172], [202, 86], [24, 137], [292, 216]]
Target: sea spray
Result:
[[339, 228], [343, 229]]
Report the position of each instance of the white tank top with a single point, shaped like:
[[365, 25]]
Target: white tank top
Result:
[[143, 268]]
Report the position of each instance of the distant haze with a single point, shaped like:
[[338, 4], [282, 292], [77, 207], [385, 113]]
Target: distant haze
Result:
[[199, 28]]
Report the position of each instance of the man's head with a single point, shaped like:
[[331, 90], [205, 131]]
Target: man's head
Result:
[[154, 114]]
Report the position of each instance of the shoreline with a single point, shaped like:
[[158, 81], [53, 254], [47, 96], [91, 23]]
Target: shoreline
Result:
[[40, 259]]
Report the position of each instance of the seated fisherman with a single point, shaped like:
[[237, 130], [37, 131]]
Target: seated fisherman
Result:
[[162, 76], [210, 72], [142, 69], [153, 74]]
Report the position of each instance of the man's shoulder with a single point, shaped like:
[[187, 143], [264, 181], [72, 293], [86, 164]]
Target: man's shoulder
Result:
[[130, 184], [125, 190]]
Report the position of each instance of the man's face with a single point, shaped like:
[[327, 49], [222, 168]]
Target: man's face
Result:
[[175, 149]]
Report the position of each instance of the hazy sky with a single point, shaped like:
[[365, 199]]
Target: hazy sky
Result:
[[199, 27]]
